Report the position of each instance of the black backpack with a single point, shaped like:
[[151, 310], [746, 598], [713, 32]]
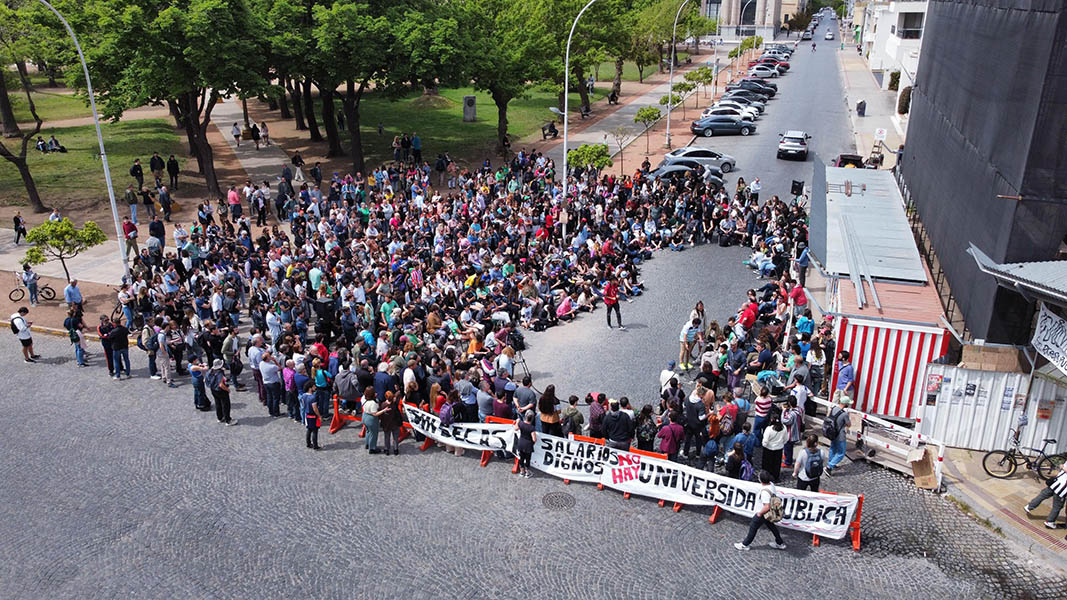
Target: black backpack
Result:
[[15, 328], [568, 425]]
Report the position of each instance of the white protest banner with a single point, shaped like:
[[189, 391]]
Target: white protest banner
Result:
[[1050, 338], [569, 459], [827, 515], [473, 436]]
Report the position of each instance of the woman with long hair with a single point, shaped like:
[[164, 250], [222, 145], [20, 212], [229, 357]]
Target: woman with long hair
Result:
[[547, 406]]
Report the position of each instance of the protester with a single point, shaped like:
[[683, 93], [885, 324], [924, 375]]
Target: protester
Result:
[[670, 436], [809, 465], [774, 439], [525, 444], [618, 428], [312, 418], [835, 427]]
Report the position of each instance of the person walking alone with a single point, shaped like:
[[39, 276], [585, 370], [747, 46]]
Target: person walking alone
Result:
[[312, 416], [611, 301], [763, 505], [1055, 488]]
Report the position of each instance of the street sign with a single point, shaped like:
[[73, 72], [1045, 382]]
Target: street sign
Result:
[[879, 134]]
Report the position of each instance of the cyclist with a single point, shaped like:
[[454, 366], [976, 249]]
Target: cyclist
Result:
[[692, 333], [813, 46]]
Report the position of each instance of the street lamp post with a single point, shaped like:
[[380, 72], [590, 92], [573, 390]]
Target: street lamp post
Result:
[[670, 81], [566, 97], [740, 18], [99, 138]]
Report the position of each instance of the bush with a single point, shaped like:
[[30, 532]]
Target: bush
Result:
[[904, 103], [894, 80]]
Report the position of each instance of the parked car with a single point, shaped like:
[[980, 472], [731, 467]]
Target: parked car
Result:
[[752, 86], [744, 108], [692, 164], [774, 60], [767, 84], [830, 35], [747, 94], [680, 171], [728, 111], [721, 124], [793, 144], [723, 162], [743, 100], [763, 71]]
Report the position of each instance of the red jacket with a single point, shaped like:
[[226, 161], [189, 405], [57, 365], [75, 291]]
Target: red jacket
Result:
[[129, 230]]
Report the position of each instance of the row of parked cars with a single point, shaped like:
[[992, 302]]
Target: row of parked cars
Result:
[[743, 103]]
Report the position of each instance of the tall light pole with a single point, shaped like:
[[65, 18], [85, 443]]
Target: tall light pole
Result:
[[741, 17], [99, 138], [566, 97], [670, 81]]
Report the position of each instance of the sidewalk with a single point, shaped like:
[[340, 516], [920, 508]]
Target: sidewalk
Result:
[[261, 165], [860, 84], [1001, 501]]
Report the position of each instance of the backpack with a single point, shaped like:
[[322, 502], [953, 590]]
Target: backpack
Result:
[[447, 418], [73, 333], [814, 466], [214, 380], [152, 343], [15, 328], [747, 472], [775, 510], [830, 426], [568, 425], [726, 425]]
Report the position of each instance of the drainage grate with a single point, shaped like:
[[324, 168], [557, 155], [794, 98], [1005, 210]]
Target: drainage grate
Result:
[[558, 501]]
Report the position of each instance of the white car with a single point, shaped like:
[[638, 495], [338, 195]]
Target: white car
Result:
[[742, 111], [733, 102], [763, 72], [829, 35], [721, 111]]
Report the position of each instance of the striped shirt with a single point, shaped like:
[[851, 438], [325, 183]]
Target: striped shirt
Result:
[[763, 405]]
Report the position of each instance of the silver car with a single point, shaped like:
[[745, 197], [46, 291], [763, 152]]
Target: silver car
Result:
[[793, 144], [706, 156]]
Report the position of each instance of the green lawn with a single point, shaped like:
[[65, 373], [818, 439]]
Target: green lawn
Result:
[[629, 68], [51, 106], [440, 122], [77, 175]]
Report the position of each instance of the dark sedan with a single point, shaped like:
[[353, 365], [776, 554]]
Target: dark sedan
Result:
[[719, 125]]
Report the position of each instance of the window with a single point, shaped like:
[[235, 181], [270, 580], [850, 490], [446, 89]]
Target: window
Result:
[[911, 26]]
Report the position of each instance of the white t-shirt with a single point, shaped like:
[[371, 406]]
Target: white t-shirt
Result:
[[23, 326], [763, 497], [802, 463]]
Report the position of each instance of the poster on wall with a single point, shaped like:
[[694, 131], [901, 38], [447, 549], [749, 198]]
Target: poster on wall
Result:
[[1044, 409], [1050, 338], [933, 383]]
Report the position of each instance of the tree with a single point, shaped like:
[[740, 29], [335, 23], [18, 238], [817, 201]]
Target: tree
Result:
[[704, 76], [683, 88], [647, 116], [620, 134], [142, 52], [590, 155], [504, 60], [13, 45], [60, 240], [904, 102], [670, 101]]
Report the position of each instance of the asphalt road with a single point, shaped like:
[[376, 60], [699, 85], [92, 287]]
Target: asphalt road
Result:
[[586, 356]]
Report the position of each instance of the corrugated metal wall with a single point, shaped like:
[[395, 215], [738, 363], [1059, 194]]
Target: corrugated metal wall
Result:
[[977, 409], [890, 361]]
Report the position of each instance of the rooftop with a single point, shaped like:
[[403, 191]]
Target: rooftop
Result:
[[1046, 279]]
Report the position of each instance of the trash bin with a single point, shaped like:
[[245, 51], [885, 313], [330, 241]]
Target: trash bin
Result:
[[861, 108]]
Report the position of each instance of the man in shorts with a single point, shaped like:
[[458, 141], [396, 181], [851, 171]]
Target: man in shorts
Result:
[[22, 331]]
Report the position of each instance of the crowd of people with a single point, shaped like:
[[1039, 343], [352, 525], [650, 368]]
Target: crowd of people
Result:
[[392, 287]]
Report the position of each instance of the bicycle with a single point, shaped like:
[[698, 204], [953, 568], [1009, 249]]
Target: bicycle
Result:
[[44, 291], [1003, 463]]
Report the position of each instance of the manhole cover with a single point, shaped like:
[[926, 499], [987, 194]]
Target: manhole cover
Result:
[[558, 501]]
